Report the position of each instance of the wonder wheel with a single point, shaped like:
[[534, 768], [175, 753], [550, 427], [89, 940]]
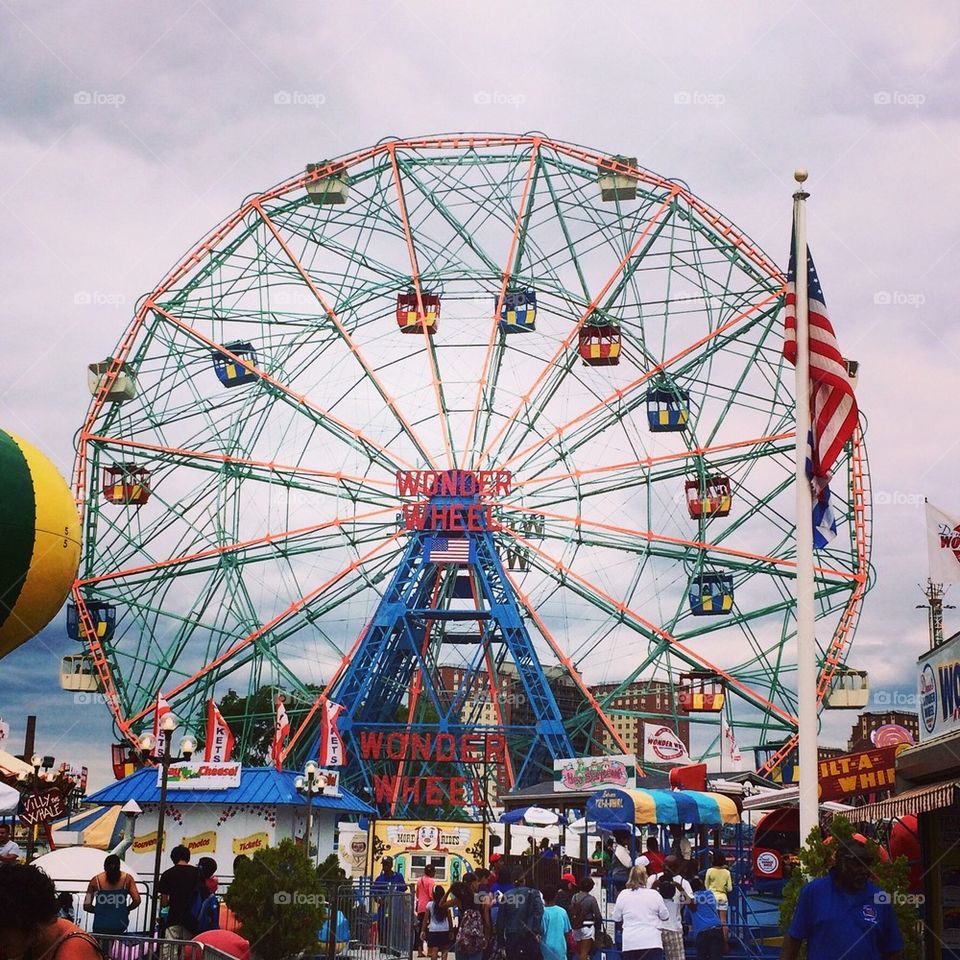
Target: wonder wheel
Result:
[[578, 360]]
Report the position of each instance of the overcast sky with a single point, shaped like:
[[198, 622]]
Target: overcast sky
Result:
[[127, 130]]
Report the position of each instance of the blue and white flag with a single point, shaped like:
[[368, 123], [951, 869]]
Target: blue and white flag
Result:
[[824, 522]]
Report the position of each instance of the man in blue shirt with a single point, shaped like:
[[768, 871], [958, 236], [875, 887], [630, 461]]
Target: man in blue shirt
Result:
[[844, 915], [706, 927], [391, 907]]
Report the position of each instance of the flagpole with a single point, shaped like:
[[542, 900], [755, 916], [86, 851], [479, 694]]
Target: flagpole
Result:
[[806, 641]]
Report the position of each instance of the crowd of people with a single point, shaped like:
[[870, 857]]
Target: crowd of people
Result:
[[39, 923], [488, 914], [504, 913]]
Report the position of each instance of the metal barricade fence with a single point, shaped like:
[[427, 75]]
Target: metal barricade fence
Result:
[[365, 923], [139, 947]]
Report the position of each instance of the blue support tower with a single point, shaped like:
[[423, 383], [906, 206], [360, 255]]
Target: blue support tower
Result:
[[415, 743]]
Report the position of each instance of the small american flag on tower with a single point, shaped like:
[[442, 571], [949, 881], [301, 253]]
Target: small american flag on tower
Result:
[[449, 550]]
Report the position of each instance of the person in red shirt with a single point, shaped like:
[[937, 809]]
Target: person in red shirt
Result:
[[423, 896], [29, 927]]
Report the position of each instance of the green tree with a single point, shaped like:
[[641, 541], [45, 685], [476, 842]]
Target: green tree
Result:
[[252, 718], [278, 898], [816, 859]]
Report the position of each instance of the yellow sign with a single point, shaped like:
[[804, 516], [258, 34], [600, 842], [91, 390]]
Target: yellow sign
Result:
[[430, 836], [202, 843], [147, 843], [251, 844]]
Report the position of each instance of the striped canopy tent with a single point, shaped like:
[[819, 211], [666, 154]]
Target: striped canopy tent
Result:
[[100, 827], [622, 809]]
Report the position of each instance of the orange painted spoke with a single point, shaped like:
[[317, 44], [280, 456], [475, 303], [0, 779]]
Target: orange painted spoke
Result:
[[271, 466], [348, 340], [504, 283], [618, 395], [299, 398], [280, 618], [442, 423], [567, 663], [628, 615], [648, 462], [648, 536], [268, 538], [574, 333]]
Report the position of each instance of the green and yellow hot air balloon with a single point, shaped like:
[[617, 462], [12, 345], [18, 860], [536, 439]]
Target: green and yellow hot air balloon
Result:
[[39, 541]]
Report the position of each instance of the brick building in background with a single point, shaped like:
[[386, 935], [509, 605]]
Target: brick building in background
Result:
[[867, 722], [652, 698]]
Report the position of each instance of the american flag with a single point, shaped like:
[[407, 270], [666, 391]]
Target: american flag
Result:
[[833, 407], [448, 550]]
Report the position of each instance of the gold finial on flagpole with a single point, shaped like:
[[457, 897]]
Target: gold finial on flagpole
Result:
[[800, 175]]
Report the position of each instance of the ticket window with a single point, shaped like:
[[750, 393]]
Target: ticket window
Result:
[[419, 861]]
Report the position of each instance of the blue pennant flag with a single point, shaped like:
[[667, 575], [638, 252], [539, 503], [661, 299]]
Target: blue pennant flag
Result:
[[824, 522]]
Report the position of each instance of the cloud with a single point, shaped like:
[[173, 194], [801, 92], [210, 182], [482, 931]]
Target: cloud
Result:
[[99, 196]]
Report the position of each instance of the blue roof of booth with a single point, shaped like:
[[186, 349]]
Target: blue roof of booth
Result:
[[262, 785]]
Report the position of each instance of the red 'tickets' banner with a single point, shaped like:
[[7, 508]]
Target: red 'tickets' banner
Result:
[[871, 771]]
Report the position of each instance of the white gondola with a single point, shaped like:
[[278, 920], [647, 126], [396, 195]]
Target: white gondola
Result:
[[77, 674], [616, 185], [124, 386], [334, 188], [849, 690]]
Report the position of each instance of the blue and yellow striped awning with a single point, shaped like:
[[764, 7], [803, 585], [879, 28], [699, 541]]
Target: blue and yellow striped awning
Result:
[[612, 809], [101, 827]]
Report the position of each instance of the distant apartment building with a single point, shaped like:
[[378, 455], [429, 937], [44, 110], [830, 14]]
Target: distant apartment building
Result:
[[868, 722], [654, 700]]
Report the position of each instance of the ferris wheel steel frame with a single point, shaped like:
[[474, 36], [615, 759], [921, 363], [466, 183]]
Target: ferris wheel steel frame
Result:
[[481, 447]]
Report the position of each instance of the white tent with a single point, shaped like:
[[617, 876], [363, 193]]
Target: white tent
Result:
[[10, 766], [72, 868], [9, 800]]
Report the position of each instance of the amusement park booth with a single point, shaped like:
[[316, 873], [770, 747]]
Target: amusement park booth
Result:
[[453, 848], [260, 808], [922, 820]]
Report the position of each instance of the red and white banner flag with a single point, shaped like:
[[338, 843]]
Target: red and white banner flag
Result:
[[161, 710], [280, 733], [219, 743], [662, 745], [732, 757], [943, 545], [332, 752]]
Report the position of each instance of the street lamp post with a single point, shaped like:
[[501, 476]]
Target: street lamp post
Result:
[[148, 743], [309, 784], [36, 761]]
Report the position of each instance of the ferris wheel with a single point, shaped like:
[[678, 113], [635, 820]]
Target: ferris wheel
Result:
[[590, 342]]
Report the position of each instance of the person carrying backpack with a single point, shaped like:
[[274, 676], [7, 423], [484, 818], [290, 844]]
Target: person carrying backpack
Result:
[[205, 905], [520, 921], [586, 920], [676, 892]]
